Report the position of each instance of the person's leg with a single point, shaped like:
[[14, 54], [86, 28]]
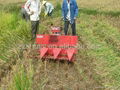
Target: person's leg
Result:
[[23, 13], [66, 25], [73, 26], [27, 17], [34, 26], [37, 27]]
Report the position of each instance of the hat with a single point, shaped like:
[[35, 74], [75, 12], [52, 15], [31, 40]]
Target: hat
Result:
[[43, 3]]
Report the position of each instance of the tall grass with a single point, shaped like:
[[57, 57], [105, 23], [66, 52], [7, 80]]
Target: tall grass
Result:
[[13, 32]]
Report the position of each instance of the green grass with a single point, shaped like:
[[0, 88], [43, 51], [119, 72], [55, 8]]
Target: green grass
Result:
[[97, 12], [13, 32], [106, 60], [23, 76]]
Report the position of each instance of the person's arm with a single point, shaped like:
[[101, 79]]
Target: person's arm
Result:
[[51, 8], [46, 9], [63, 7], [27, 5], [39, 8], [76, 9]]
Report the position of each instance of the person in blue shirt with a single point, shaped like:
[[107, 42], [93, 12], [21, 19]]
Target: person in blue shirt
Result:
[[69, 14]]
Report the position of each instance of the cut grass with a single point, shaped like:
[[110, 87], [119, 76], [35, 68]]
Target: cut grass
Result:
[[107, 61]]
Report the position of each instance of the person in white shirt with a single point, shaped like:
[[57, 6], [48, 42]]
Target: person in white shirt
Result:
[[48, 8], [33, 9]]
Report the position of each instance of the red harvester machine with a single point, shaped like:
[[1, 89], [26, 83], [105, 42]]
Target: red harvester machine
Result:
[[57, 46]]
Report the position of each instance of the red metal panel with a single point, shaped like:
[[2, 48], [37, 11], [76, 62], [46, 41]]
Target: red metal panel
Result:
[[56, 52], [43, 51], [57, 47], [70, 53], [57, 40]]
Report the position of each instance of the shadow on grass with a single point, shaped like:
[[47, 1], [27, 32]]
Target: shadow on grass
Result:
[[96, 12]]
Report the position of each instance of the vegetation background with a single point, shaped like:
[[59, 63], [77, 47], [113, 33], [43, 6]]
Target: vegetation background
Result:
[[98, 62]]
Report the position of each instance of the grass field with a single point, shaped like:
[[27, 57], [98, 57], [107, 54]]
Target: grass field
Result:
[[98, 62]]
